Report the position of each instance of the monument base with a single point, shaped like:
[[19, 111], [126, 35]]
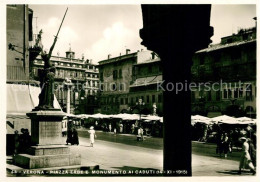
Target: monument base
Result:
[[48, 149], [47, 156]]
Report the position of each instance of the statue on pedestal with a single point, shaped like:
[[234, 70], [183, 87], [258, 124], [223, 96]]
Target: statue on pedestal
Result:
[[47, 75]]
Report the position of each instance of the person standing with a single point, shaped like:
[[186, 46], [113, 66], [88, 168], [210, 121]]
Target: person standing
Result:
[[16, 142], [245, 160], [225, 144], [109, 127], [69, 136], [92, 136], [75, 137], [121, 127]]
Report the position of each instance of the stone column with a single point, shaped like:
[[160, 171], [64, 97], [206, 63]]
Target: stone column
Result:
[[175, 32], [68, 84], [68, 100]]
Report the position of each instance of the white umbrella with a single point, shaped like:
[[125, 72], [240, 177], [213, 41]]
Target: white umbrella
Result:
[[224, 119], [99, 116], [200, 119], [151, 117]]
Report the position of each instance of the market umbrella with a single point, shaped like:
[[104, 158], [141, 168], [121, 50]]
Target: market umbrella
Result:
[[224, 119], [99, 116], [245, 120], [200, 119]]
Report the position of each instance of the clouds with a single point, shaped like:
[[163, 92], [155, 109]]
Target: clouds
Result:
[[114, 41], [67, 35]]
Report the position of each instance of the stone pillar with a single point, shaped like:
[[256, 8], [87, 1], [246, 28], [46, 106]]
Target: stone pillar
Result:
[[175, 32], [68, 100], [68, 84]]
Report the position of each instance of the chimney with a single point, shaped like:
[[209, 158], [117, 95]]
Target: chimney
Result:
[[108, 56], [127, 51]]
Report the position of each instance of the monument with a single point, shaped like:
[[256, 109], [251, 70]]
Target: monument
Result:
[[47, 148]]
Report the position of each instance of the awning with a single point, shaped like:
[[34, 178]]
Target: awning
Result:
[[21, 99], [147, 81]]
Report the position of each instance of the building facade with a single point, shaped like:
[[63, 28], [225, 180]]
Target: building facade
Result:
[[121, 83], [147, 77], [18, 35], [83, 75], [226, 73]]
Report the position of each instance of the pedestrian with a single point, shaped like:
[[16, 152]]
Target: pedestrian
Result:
[[69, 136], [92, 136], [245, 160], [133, 128], [140, 134], [225, 144], [75, 137], [109, 127], [16, 142], [252, 150], [121, 127]]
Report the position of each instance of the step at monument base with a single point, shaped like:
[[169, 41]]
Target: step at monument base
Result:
[[45, 161]]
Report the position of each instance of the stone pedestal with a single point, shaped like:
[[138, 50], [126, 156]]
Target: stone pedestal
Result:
[[47, 150], [46, 127]]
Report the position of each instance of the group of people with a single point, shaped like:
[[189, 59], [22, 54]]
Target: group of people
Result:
[[22, 142], [223, 145]]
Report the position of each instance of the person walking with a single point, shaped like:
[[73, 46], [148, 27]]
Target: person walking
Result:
[[133, 128], [245, 160], [92, 136]]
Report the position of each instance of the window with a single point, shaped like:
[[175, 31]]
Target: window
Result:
[[126, 100], [120, 73], [160, 98], [147, 98], [209, 96], [153, 98], [236, 93], [121, 86], [240, 92], [249, 94], [218, 96], [229, 93], [113, 87], [225, 94], [115, 74], [122, 101], [132, 100]]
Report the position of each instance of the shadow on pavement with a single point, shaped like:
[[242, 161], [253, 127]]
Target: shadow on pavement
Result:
[[235, 172]]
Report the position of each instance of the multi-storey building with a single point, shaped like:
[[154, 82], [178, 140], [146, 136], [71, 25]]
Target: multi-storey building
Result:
[[229, 71], [147, 77], [121, 82], [82, 73]]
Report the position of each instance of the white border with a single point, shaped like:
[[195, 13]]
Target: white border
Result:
[[137, 179]]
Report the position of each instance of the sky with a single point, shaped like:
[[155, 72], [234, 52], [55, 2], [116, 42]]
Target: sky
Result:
[[98, 30]]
